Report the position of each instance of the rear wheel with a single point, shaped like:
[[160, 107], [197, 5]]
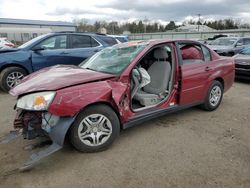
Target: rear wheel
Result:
[[214, 96], [95, 129], [10, 76]]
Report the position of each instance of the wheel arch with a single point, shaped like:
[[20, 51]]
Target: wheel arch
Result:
[[221, 80], [103, 103], [13, 65]]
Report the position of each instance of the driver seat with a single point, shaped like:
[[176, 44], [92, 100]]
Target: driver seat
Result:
[[159, 72]]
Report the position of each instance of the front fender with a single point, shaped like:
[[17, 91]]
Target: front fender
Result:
[[19, 58], [70, 101]]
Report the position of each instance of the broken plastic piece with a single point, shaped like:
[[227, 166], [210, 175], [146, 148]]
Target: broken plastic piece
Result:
[[35, 157]]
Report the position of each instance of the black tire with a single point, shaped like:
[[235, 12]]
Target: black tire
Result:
[[208, 106], [103, 110], [5, 73]]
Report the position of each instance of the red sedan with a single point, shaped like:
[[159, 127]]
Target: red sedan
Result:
[[117, 88]]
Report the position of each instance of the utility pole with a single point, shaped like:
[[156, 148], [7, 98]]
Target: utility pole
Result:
[[145, 24], [199, 18]]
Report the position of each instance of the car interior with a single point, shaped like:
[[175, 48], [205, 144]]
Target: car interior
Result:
[[152, 78]]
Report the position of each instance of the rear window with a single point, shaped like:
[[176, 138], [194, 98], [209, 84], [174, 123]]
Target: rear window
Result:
[[109, 40], [122, 39]]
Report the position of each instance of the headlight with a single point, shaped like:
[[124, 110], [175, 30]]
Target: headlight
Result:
[[36, 101]]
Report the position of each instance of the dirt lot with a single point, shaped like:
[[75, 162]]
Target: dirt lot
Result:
[[191, 148]]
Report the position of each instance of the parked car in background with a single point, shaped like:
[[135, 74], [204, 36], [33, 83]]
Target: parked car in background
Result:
[[120, 38], [5, 43], [117, 88], [229, 46], [47, 50], [242, 63]]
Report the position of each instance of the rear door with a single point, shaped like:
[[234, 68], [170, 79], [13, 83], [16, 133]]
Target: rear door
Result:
[[195, 68], [81, 47], [54, 52]]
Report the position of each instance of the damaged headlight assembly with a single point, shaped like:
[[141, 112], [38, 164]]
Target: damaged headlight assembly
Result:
[[36, 101]]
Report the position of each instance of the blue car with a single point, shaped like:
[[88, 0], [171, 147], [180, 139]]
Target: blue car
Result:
[[48, 50]]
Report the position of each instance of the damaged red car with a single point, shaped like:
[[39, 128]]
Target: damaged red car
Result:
[[118, 87]]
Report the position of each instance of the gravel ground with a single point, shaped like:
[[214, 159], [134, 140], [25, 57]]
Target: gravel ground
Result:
[[191, 148]]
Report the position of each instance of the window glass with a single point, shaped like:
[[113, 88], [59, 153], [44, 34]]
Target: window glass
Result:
[[109, 40], [114, 59], [191, 53], [245, 51], [80, 41], [224, 41], [240, 42], [206, 52], [56, 42], [246, 41]]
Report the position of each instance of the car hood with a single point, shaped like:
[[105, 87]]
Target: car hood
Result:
[[57, 77], [242, 59], [6, 50]]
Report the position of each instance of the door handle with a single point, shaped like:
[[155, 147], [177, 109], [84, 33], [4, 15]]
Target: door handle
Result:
[[208, 69]]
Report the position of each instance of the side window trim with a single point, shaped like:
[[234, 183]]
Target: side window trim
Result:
[[100, 45]]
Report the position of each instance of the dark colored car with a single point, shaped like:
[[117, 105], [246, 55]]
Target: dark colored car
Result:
[[242, 64], [117, 88], [229, 46], [48, 50]]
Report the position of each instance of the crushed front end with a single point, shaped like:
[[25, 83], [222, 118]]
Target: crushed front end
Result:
[[33, 120]]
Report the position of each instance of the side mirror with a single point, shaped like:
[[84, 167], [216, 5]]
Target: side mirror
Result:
[[38, 48], [239, 44]]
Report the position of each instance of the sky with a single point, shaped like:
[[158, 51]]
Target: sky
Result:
[[129, 10]]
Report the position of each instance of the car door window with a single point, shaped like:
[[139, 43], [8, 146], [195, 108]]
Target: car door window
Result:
[[191, 53], [240, 42], [246, 41], [80, 41], [108, 40], [52, 43]]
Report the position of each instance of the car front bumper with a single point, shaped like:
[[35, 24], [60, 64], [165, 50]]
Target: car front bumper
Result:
[[242, 73], [32, 124]]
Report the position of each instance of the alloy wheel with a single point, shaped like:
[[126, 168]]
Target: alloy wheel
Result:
[[13, 78], [215, 95], [95, 130]]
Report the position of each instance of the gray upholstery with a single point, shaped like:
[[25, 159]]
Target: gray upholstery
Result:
[[159, 72], [160, 53], [147, 99]]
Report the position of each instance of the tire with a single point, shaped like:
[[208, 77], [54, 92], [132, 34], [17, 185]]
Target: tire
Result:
[[212, 102], [86, 135], [8, 73]]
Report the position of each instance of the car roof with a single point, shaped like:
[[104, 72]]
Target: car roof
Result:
[[80, 33], [153, 42]]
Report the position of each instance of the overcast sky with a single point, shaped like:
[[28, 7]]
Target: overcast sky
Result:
[[117, 10]]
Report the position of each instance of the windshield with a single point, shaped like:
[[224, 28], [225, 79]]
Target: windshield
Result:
[[31, 41], [245, 51], [114, 59], [224, 41]]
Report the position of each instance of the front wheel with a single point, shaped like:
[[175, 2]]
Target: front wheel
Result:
[[10, 76], [94, 129], [214, 96]]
